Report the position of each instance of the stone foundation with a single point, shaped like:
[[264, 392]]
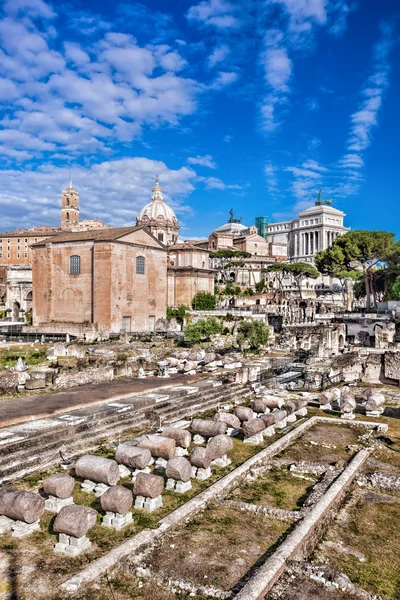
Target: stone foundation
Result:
[[71, 546]]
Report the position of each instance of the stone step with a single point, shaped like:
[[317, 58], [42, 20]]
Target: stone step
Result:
[[85, 428]]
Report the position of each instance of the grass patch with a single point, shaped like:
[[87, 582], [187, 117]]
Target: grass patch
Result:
[[371, 529], [277, 488], [217, 547], [32, 356]]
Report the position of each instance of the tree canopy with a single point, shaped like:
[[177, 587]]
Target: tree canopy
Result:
[[256, 333], [360, 251], [204, 301], [202, 330]]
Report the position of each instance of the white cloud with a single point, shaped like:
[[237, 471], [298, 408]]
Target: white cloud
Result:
[[218, 13], [213, 183], [223, 79], [218, 55], [112, 191], [227, 138], [278, 68], [270, 171], [204, 161], [365, 118], [35, 8], [312, 104]]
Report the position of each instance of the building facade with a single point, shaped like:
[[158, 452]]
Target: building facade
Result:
[[315, 229], [189, 272], [99, 282]]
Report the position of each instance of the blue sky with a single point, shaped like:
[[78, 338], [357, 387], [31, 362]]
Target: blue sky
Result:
[[250, 105]]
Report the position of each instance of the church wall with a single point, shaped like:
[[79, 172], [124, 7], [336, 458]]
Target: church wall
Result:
[[183, 286], [142, 298]]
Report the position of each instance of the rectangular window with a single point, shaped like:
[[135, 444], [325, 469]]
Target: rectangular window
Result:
[[8, 255], [18, 255], [26, 255], [1, 256], [74, 265], [26, 240]]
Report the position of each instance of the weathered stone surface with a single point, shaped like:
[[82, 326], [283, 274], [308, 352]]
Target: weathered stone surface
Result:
[[182, 437], [218, 446], [59, 485], [244, 413], [272, 401], [20, 505], [8, 381], [98, 469], [178, 468], [274, 417], [392, 365], [207, 428], [159, 446], [132, 456], [75, 520], [293, 405], [375, 401], [253, 427], [260, 406], [228, 418], [148, 485], [373, 368], [347, 401], [190, 366], [209, 358], [117, 499], [200, 458]]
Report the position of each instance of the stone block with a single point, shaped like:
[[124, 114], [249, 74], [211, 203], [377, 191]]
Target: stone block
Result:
[[203, 474], [116, 520], [100, 488], [268, 431], [222, 462], [53, 504], [348, 416], [151, 504], [254, 440], [181, 452], [5, 524], [183, 486], [302, 412], [198, 439], [291, 418], [21, 529], [281, 424]]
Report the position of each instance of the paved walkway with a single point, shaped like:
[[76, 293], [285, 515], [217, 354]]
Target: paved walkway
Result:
[[28, 408]]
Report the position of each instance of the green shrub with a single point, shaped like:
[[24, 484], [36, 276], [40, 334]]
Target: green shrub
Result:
[[256, 333], [202, 330], [177, 313], [204, 301]]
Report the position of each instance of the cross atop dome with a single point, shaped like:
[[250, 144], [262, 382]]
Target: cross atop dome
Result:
[[157, 191]]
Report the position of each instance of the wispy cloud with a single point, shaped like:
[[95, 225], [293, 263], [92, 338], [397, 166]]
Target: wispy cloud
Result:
[[218, 55], [365, 118], [214, 183], [217, 13], [203, 161], [271, 176]]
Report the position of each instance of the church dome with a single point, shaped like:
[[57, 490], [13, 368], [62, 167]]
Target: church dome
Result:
[[157, 209]]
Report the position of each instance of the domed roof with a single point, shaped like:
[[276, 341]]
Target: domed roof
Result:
[[231, 228], [157, 210]]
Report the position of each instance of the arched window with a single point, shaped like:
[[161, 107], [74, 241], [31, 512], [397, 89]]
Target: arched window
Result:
[[140, 262], [74, 265], [67, 216]]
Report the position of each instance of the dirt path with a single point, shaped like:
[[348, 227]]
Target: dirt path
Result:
[[28, 408]]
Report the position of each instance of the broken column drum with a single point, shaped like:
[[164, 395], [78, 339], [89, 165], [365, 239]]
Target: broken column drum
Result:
[[182, 437], [200, 460], [117, 502], [228, 418], [252, 427], [159, 446], [148, 489], [178, 471], [59, 485], [59, 488], [244, 413], [207, 428], [274, 417], [72, 523], [218, 448], [260, 406], [21, 511], [132, 456], [375, 401], [97, 469]]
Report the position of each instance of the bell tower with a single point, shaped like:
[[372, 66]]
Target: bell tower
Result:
[[69, 207]]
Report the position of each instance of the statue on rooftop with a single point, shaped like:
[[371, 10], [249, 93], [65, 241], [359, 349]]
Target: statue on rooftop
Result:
[[232, 219], [320, 202]]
